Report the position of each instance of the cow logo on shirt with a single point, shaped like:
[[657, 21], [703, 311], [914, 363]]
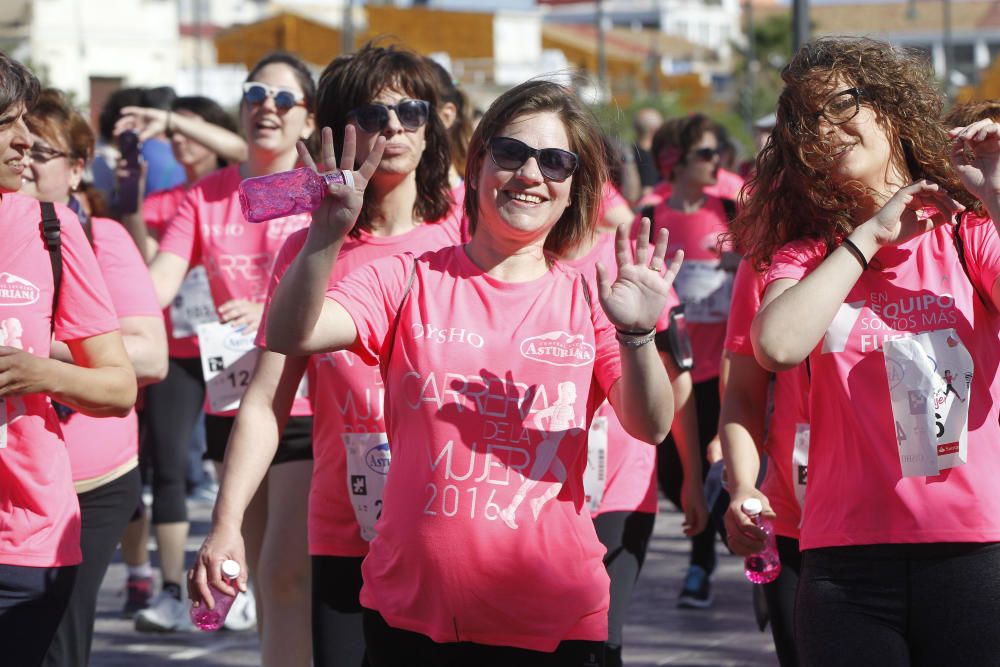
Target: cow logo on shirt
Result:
[[16, 291], [558, 348]]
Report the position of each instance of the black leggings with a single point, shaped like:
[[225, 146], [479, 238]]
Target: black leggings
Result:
[[105, 512], [171, 413], [899, 605], [392, 647], [337, 632], [32, 600], [670, 474], [626, 536], [780, 596]]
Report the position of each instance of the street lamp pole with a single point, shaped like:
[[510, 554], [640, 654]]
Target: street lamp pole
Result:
[[602, 56], [949, 49], [800, 23]]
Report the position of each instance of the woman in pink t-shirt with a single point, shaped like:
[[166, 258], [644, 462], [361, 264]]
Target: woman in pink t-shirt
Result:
[[104, 453], [493, 355], [878, 226], [279, 96], [382, 92], [687, 150], [39, 512]]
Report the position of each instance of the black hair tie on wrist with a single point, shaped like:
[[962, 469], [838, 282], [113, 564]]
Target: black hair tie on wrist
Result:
[[856, 251]]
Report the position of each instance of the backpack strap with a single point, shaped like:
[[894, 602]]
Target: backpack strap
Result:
[[960, 249], [729, 206], [52, 235]]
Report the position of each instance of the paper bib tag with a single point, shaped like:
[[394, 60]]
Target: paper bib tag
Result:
[[228, 358], [706, 291], [368, 460], [800, 462], [3, 422], [929, 379], [193, 304], [595, 477]]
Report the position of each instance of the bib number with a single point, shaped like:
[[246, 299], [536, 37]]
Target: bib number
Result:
[[800, 462], [595, 477], [930, 375], [706, 291], [193, 304], [228, 358], [368, 460], [3, 422]]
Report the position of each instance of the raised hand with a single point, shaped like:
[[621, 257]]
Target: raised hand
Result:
[[340, 210], [146, 122], [976, 155], [904, 216], [637, 297]]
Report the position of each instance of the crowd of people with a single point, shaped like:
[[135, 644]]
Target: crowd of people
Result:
[[441, 407]]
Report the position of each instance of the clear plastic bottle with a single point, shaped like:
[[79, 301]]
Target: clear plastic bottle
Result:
[[285, 193], [210, 620], [765, 566]]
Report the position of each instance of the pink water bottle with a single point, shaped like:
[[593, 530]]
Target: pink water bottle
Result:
[[210, 620], [765, 566], [287, 193]]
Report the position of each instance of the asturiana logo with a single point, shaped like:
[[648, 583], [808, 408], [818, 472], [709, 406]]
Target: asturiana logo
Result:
[[558, 348], [378, 458], [16, 291], [239, 341]]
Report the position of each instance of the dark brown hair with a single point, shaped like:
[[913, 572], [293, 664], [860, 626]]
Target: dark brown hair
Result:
[[532, 97], [351, 81], [967, 114], [461, 129], [791, 194], [681, 134], [301, 71], [56, 121], [17, 84]]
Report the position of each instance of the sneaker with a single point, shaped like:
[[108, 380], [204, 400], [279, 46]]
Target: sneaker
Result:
[[697, 590], [138, 591], [164, 614], [243, 614], [204, 493]]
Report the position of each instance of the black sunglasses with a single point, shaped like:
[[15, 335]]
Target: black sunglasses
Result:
[[554, 163], [841, 107], [706, 153], [284, 99], [371, 118]]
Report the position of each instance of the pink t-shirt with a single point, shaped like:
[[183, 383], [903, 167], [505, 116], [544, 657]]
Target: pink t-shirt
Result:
[[39, 512], [209, 226], [490, 388], [98, 446], [347, 393], [611, 198], [857, 494], [703, 287], [727, 186], [158, 210], [630, 485], [791, 407]]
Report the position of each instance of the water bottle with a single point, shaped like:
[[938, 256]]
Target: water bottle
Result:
[[765, 566], [210, 620], [287, 193]]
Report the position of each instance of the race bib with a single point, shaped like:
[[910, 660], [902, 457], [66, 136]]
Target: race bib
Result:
[[929, 379], [595, 477], [193, 304], [228, 357], [3, 422], [368, 461], [800, 462], [706, 291]]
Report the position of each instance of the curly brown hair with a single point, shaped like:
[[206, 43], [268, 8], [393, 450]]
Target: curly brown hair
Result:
[[791, 194], [967, 114]]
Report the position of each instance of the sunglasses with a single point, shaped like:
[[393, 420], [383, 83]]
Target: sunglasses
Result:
[[706, 154], [284, 99], [841, 107], [554, 163], [42, 154], [371, 118]]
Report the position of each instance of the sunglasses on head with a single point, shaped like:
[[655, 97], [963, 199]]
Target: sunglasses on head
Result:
[[554, 163], [284, 99], [706, 153], [371, 118]]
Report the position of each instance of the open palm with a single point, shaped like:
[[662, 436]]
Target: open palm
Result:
[[637, 297]]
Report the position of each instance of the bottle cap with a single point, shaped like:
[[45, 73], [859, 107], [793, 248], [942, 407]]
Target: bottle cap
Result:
[[230, 569], [752, 506]]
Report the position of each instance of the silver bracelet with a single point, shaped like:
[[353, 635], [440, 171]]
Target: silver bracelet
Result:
[[634, 339]]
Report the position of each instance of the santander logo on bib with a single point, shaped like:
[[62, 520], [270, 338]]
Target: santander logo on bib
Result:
[[558, 348], [16, 291]]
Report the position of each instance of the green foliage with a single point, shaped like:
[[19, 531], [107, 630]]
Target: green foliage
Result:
[[772, 40]]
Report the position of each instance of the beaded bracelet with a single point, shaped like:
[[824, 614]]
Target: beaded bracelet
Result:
[[635, 339]]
